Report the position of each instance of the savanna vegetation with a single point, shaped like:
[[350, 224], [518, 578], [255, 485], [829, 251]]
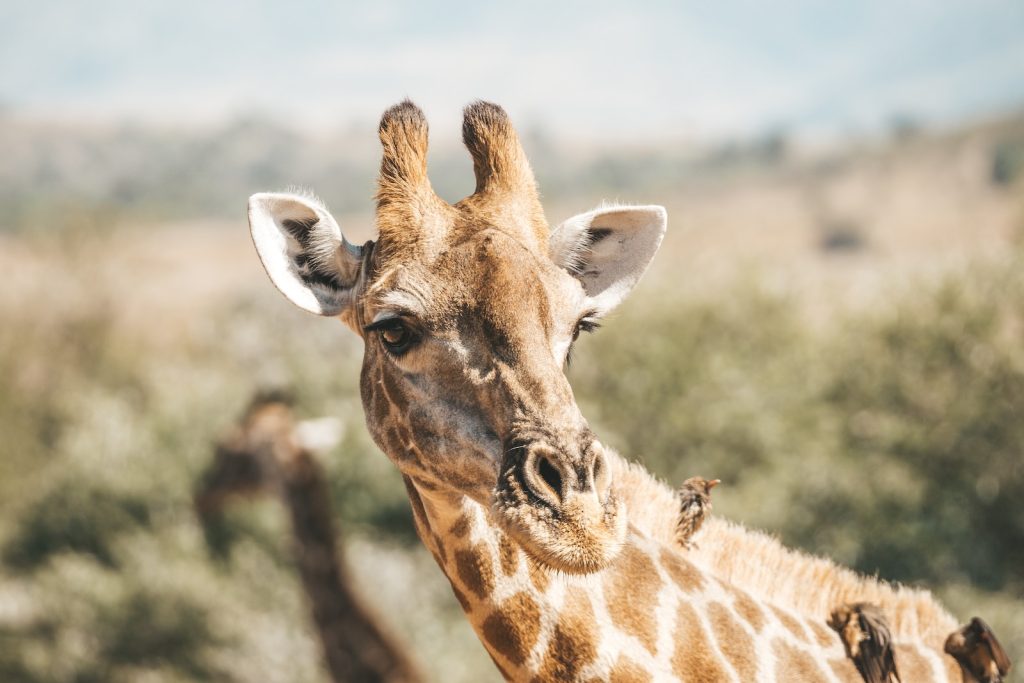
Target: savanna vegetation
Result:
[[886, 432]]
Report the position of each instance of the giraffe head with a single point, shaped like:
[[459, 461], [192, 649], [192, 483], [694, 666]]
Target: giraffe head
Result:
[[468, 312]]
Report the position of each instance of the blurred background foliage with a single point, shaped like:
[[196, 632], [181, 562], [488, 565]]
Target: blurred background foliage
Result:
[[890, 441], [863, 402], [833, 327]]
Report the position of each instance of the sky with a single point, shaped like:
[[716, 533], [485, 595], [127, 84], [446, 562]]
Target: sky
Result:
[[639, 70]]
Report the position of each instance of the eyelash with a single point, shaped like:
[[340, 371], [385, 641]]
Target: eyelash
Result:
[[585, 324]]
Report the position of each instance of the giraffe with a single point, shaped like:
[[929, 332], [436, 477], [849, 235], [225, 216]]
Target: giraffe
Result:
[[268, 451], [563, 556]]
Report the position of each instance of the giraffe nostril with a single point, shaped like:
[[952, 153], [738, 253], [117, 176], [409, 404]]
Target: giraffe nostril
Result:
[[550, 475]]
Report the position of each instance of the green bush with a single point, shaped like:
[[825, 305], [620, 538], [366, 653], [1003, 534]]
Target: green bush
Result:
[[937, 388], [74, 517]]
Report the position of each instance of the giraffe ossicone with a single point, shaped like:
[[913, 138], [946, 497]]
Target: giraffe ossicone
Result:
[[564, 556]]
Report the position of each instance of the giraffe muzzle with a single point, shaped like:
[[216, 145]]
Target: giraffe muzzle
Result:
[[560, 505]]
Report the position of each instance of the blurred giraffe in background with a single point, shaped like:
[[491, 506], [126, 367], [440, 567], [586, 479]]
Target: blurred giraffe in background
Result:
[[564, 557], [266, 453]]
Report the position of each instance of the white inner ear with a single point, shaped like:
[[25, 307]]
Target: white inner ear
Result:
[[609, 249], [310, 266]]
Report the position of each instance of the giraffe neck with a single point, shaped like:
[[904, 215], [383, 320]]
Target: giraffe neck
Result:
[[650, 615]]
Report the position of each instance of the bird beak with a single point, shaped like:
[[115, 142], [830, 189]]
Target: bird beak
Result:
[[713, 483]]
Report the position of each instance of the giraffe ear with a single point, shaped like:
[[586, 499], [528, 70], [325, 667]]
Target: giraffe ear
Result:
[[304, 252], [608, 249]]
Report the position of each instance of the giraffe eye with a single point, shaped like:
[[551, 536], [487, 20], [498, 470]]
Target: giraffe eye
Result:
[[395, 335]]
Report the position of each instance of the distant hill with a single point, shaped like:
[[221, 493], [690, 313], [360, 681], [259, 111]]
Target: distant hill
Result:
[[128, 171]]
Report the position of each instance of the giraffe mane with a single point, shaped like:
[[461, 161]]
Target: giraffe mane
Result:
[[814, 586], [761, 565]]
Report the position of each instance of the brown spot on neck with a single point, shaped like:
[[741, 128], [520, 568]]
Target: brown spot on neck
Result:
[[682, 572], [573, 643], [512, 629], [747, 609], [845, 671], [794, 664], [628, 671], [791, 624], [475, 570], [694, 659], [631, 593], [508, 555], [735, 643], [825, 636], [460, 528]]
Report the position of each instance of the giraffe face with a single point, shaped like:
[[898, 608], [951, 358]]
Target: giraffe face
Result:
[[468, 313], [463, 385]]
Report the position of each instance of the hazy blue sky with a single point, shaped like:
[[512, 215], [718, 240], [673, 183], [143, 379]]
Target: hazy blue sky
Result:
[[632, 70]]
